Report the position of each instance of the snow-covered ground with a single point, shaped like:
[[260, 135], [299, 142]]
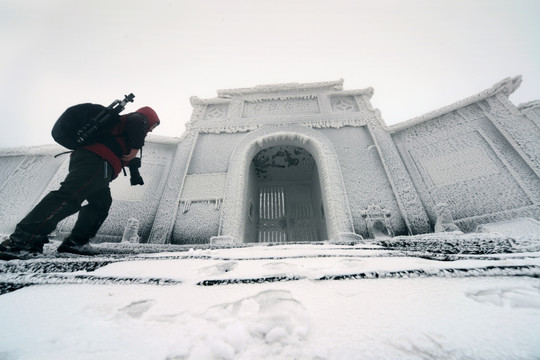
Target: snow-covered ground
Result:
[[310, 301]]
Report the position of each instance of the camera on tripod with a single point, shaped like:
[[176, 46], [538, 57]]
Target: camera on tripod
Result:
[[135, 175]]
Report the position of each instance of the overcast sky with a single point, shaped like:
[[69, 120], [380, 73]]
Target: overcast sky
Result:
[[418, 55]]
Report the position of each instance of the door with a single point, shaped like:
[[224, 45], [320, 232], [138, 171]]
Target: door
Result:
[[286, 214]]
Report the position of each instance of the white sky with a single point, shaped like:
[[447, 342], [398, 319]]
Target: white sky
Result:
[[418, 55]]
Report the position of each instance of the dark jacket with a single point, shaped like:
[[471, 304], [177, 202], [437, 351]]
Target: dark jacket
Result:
[[128, 134]]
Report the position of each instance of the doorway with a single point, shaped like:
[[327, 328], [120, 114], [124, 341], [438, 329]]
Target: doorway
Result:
[[288, 199]]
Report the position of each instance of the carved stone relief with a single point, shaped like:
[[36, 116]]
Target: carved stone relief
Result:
[[273, 107], [215, 111], [343, 104]]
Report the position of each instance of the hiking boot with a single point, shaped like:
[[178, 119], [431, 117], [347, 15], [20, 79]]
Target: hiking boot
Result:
[[21, 241], [11, 248], [77, 246]]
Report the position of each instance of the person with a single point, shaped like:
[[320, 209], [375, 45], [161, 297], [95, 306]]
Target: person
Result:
[[91, 169]]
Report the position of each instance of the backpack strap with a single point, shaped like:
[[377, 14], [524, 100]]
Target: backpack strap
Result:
[[110, 142], [63, 153]]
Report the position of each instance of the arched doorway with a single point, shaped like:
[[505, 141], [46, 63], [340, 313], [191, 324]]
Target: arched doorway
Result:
[[239, 200], [285, 197]]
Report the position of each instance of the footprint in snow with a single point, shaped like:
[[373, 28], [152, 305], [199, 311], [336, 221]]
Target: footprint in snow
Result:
[[512, 297], [280, 266], [218, 269], [138, 308]]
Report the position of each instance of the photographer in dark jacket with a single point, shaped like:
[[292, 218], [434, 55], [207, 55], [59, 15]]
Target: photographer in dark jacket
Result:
[[91, 169]]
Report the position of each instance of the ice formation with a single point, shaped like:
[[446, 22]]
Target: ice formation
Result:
[[131, 231], [312, 162]]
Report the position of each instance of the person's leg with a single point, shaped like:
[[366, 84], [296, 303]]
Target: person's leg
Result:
[[92, 215], [90, 218]]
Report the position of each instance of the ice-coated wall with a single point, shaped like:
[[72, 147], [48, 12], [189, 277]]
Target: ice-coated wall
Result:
[[311, 162], [471, 159], [24, 175], [364, 176]]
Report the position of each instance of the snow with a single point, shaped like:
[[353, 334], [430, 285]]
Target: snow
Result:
[[274, 302]]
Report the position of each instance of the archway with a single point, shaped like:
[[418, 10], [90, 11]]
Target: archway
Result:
[[284, 196], [237, 207]]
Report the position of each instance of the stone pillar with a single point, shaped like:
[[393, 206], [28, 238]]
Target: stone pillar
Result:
[[170, 199], [407, 197]]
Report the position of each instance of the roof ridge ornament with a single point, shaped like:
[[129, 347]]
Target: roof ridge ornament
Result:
[[336, 85]]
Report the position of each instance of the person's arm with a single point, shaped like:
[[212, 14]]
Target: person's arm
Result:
[[136, 129], [130, 156]]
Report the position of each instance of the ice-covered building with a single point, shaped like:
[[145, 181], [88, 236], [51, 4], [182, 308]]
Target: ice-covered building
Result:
[[311, 162]]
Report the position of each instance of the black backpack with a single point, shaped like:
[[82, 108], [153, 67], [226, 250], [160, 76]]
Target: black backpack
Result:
[[87, 123]]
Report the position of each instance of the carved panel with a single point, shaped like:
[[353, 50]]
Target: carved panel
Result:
[[216, 111], [343, 104], [466, 173], [201, 187], [462, 165], [273, 107]]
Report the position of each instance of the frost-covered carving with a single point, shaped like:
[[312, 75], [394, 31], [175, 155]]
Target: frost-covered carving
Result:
[[516, 128], [461, 165], [216, 111], [445, 221], [343, 104], [282, 104], [206, 188], [468, 164], [200, 187], [378, 221], [131, 231], [282, 88], [531, 109], [406, 195], [285, 158], [269, 107], [170, 198]]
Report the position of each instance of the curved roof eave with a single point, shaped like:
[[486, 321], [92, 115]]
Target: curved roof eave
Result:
[[506, 86]]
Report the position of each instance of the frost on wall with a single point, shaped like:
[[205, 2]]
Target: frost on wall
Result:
[[532, 111], [365, 179], [286, 105], [461, 159], [196, 225], [212, 153], [170, 197], [23, 180], [197, 215]]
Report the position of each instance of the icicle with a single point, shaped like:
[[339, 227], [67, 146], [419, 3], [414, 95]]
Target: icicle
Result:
[[186, 205], [218, 204]]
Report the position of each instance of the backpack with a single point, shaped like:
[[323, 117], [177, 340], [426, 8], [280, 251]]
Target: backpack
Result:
[[87, 123]]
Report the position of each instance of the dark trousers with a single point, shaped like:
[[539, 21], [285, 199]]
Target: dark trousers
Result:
[[88, 179]]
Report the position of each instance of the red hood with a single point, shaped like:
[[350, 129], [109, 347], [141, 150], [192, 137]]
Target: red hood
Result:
[[150, 115]]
